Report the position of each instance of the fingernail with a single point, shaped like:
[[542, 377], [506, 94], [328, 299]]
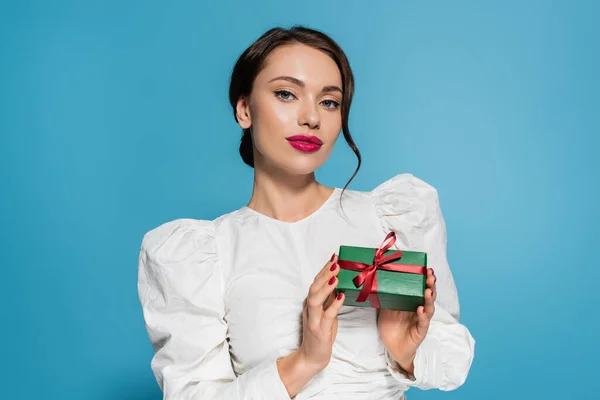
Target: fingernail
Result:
[[332, 280], [339, 296], [333, 267], [332, 257]]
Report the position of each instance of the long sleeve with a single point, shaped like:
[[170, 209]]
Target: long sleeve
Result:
[[180, 285], [410, 207]]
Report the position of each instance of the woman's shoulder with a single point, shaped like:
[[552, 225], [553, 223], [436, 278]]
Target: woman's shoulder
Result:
[[404, 187], [404, 200], [178, 238], [400, 191], [183, 235]]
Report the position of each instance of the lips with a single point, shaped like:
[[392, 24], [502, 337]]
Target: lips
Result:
[[305, 143], [305, 138]]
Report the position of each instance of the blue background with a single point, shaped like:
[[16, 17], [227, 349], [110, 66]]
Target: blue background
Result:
[[114, 119]]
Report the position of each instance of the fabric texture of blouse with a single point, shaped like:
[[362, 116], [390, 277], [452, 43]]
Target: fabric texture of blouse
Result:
[[222, 299]]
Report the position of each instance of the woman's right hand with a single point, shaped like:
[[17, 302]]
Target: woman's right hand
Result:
[[319, 328], [319, 317]]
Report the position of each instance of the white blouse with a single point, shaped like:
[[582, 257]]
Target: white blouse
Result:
[[222, 299]]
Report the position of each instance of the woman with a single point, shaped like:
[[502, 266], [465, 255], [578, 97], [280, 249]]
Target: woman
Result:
[[245, 307]]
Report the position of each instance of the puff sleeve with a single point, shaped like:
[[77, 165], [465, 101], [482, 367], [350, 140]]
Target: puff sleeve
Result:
[[410, 207], [180, 286]]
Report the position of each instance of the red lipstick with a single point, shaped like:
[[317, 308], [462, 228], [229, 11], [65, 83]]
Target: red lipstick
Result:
[[305, 143]]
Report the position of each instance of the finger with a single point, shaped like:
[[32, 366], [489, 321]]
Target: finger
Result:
[[430, 282], [330, 315], [423, 321], [329, 300], [317, 298], [429, 303], [325, 278], [327, 267], [430, 277], [325, 290]]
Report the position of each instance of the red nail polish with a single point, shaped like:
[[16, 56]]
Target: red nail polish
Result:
[[332, 280], [339, 296], [332, 257], [333, 267]]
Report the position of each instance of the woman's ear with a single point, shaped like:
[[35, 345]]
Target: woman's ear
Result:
[[242, 111]]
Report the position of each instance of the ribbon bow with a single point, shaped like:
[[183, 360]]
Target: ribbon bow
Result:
[[368, 275]]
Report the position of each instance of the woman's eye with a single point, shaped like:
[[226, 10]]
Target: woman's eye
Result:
[[284, 94], [330, 104]]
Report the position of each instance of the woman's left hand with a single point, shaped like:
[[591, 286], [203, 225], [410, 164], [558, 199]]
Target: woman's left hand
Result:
[[402, 331]]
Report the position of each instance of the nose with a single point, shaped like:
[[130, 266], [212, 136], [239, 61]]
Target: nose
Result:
[[309, 115]]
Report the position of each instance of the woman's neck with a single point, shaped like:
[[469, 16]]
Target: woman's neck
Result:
[[286, 197]]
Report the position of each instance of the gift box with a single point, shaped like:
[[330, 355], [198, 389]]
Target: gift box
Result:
[[382, 278]]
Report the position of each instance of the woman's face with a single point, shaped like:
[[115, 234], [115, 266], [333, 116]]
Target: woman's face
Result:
[[294, 109]]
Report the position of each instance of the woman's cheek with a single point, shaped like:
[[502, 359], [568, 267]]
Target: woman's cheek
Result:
[[285, 113]]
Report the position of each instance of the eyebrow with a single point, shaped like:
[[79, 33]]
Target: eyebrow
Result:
[[296, 81]]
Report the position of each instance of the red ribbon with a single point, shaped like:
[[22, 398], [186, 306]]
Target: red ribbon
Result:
[[368, 276]]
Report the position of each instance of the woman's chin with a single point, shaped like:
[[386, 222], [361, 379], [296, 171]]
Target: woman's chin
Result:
[[295, 164], [301, 165]]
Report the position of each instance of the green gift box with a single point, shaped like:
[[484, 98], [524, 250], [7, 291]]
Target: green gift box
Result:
[[382, 278]]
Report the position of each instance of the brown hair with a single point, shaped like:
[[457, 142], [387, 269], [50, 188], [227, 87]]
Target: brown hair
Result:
[[252, 60]]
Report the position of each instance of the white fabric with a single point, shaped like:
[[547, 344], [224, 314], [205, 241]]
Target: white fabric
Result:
[[222, 299]]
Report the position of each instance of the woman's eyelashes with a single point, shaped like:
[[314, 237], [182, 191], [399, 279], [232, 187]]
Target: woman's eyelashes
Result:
[[284, 95], [287, 96], [334, 105]]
